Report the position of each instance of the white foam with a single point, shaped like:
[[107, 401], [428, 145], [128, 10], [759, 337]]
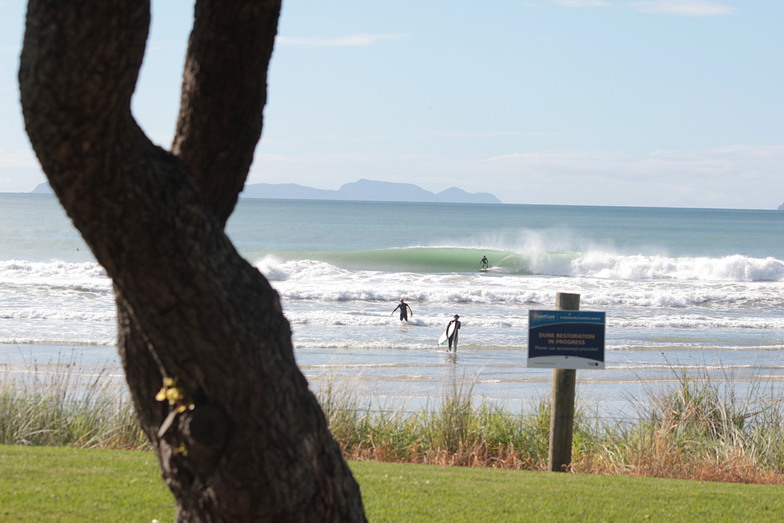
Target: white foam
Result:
[[642, 267], [68, 301], [19, 270]]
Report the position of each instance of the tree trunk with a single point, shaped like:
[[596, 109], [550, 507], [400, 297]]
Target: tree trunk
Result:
[[238, 434]]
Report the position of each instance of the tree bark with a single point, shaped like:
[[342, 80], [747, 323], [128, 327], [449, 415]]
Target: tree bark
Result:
[[239, 436]]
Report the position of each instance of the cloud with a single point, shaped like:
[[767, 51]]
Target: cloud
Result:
[[358, 40], [19, 170], [17, 159], [736, 176], [581, 3], [735, 160], [698, 8], [10, 49], [493, 134], [277, 159]]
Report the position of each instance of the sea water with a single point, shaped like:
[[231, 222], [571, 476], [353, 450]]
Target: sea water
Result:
[[696, 291]]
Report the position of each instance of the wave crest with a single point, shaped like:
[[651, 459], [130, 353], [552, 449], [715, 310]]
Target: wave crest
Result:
[[640, 267]]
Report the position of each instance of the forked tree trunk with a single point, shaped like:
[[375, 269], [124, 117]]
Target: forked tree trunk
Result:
[[239, 437]]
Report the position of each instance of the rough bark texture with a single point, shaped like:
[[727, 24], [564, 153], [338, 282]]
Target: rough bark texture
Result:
[[251, 443]]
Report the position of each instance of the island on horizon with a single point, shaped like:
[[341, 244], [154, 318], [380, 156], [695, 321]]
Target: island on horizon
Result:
[[366, 190], [361, 190]]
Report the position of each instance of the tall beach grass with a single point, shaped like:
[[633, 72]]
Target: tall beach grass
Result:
[[58, 407], [699, 428], [695, 428]]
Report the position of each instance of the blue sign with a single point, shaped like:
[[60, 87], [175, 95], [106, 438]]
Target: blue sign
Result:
[[566, 339]]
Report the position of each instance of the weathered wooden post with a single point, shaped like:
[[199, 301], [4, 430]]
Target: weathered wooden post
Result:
[[562, 401]]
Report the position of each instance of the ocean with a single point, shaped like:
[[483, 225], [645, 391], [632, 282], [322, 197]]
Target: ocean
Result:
[[686, 292]]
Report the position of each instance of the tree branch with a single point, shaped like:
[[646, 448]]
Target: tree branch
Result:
[[223, 95], [79, 66]]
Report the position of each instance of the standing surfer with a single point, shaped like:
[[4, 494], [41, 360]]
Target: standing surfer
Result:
[[484, 262], [404, 310], [453, 336]]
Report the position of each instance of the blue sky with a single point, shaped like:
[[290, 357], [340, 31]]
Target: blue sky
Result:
[[581, 102]]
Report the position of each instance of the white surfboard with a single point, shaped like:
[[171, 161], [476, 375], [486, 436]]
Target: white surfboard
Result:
[[447, 333]]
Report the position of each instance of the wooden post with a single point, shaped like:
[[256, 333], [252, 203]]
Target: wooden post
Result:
[[562, 401]]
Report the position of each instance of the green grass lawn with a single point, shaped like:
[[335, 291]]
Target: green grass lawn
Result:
[[65, 484], [394, 492]]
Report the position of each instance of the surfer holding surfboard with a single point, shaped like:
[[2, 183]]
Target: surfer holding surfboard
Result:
[[451, 332], [405, 310]]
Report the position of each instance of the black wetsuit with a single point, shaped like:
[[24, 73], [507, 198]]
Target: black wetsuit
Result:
[[453, 337], [403, 311]]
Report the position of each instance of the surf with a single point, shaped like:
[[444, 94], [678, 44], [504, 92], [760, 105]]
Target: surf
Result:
[[425, 260], [658, 267], [592, 264]]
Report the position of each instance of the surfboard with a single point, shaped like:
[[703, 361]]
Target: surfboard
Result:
[[447, 333]]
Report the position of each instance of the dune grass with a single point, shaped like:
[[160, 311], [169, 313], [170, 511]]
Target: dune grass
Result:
[[698, 429], [58, 408], [68, 484], [694, 429]]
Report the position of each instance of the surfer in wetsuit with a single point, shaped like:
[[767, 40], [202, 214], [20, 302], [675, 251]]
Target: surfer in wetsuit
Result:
[[404, 309], [484, 262], [453, 338]]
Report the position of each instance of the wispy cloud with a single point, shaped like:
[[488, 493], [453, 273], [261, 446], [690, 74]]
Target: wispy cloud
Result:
[[10, 49], [494, 134], [17, 158], [739, 176], [581, 3], [737, 159], [358, 40], [699, 8]]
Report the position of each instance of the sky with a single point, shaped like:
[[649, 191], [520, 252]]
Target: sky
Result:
[[662, 103]]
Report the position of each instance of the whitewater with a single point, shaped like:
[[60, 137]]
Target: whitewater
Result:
[[685, 290]]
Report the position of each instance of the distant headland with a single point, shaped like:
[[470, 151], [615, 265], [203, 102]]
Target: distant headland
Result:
[[367, 190]]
